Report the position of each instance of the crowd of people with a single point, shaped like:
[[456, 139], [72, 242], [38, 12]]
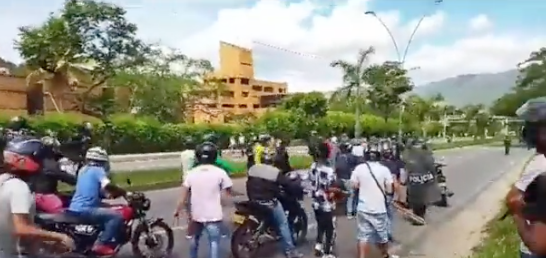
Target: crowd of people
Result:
[[340, 169]]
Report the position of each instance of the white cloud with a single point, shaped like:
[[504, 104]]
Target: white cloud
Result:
[[480, 23], [342, 33], [323, 33]]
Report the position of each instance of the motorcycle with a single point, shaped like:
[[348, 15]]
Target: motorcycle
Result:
[[442, 183], [85, 233], [255, 228]]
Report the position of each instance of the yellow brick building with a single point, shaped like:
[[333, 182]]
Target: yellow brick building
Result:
[[242, 92]]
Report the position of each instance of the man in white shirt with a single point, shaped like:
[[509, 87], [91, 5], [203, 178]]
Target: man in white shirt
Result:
[[374, 181], [207, 183]]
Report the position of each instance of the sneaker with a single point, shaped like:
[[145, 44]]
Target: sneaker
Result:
[[294, 254], [103, 250], [350, 216], [328, 256], [318, 249]]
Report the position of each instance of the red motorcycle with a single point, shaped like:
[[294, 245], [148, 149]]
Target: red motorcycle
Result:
[[157, 234]]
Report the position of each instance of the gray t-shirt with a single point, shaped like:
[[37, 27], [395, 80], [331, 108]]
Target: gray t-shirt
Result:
[[15, 198], [532, 170]]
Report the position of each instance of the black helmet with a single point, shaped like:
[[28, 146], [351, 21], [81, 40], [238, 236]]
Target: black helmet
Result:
[[206, 153], [322, 151]]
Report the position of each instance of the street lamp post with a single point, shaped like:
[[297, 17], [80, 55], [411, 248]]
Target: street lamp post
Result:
[[402, 56]]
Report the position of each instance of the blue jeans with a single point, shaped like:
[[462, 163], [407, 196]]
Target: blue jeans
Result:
[[352, 198], [214, 233], [279, 217], [110, 220]]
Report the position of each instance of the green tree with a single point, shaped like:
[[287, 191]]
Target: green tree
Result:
[[157, 90], [89, 41], [388, 82], [312, 104], [354, 81]]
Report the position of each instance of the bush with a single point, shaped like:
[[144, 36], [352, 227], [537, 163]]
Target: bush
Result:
[[144, 135]]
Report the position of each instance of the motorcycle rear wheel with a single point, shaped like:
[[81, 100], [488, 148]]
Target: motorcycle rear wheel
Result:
[[140, 232]]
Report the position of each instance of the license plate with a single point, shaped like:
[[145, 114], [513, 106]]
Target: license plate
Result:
[[238, 219]]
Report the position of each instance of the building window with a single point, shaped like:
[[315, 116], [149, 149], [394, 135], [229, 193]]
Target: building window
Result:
[[256, 106], [243, 106], [245, 81], [231, 80], [281, 90], [223, 80], [228, 94], [245, 94], [268, 89], [257, 88], [228, 106]]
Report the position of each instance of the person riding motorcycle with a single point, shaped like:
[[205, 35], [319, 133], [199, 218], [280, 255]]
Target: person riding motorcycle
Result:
[[264, 186], [17, 126], [21, 161], [86, 203], [260, 148], [45, 183], [77, 146], [282, 159]]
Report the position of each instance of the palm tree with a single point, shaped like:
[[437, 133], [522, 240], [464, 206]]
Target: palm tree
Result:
[[354, 81]]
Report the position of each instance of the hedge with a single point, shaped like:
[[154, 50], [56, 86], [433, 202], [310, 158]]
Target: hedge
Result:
[[144, 135], [166, 178]]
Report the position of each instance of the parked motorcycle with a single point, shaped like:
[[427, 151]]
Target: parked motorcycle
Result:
[[155, 233], [254, 225], [442, 183]]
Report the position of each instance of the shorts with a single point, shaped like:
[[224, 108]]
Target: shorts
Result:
[[372, 228]]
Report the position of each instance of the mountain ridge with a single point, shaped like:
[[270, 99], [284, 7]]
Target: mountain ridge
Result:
[[466, 89]]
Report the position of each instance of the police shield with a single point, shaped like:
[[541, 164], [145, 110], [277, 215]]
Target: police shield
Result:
[[422, 186]]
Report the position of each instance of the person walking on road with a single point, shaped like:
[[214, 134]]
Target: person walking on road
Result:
[[207, 183], [375, 182], [323, 178], [345, 164]]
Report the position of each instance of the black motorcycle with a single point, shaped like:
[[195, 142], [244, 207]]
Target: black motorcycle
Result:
[[254, 225], [442, 183], [155, 233]]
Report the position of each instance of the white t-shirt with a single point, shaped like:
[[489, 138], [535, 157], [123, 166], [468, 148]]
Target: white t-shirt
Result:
[[532, 170], [370, 197], [206, 183], [15, 198]]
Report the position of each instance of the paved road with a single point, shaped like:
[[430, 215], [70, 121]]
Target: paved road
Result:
[[469, 170]]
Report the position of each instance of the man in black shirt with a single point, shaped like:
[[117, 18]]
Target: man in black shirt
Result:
[[345, 164]]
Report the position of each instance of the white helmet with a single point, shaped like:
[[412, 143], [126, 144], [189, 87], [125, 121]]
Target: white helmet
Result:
[[97, 154]]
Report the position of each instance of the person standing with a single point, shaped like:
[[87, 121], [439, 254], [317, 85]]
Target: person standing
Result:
[[207, 183], [345, 164], [375, 182]]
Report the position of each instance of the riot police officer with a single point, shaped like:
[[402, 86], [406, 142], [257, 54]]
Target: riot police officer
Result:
[[422, 187]]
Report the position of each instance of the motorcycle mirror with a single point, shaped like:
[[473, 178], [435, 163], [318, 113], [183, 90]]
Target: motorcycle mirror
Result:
[[128, 181]]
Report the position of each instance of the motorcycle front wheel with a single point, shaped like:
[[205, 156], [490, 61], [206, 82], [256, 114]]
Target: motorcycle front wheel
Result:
[[245, 241], [158, 240]]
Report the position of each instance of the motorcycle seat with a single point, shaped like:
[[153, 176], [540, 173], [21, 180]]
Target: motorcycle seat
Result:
[[60, 218]]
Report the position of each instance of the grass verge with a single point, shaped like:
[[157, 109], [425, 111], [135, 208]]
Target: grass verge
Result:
[[501, 237], [160, 179]]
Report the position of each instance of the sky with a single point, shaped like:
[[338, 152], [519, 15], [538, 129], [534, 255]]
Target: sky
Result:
[[296, 40]]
